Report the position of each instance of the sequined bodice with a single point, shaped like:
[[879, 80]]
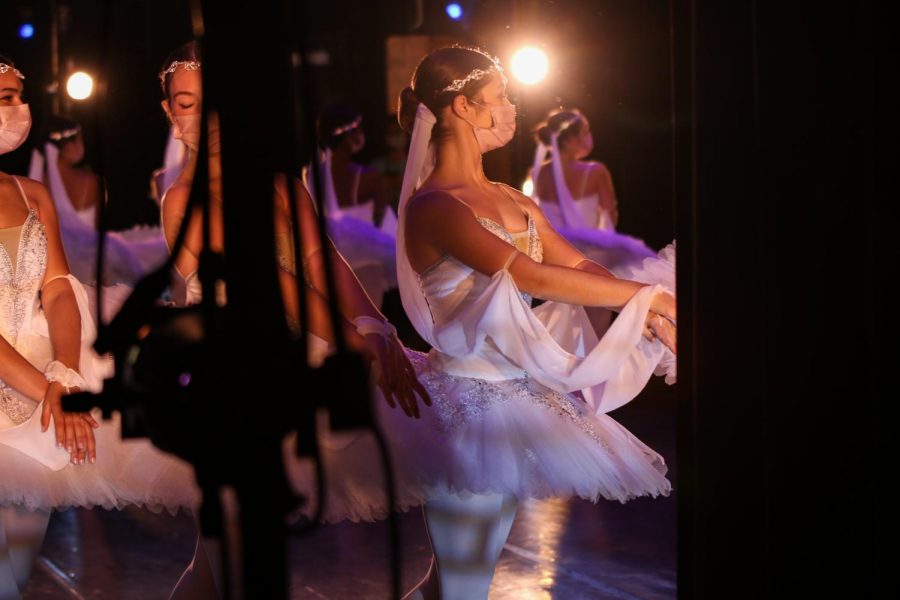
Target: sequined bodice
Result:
[[448, 284], [19, 286], [19, 283], [527, 242]]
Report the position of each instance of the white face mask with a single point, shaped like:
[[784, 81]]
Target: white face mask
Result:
[[500, 132], [187, 129], [15, 123]]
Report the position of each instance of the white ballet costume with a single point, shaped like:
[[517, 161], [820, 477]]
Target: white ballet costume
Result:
[[496, 425], [129, 254], [174, 159], [583, 223], [504, 424], [369, 250], [35, 475]]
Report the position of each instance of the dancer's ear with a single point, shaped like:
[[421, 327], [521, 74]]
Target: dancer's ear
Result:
[[167, 109], [462, 108]]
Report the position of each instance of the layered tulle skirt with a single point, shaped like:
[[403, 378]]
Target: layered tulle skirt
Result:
[[369, 251], [616, 251], [512, 436], [126, 472]]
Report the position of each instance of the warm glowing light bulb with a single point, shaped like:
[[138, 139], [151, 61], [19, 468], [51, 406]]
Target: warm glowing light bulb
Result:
[[80, 85], [530, 65]]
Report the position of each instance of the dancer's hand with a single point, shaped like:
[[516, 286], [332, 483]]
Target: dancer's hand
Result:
[[658, 327], [395, 375], [664, 304], [74, 431]]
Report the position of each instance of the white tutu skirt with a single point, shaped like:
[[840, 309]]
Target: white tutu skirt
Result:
[[656, 269], [35, 474], [148, 246], [616, 251], [513, 437], [126, 472], [365, 246]]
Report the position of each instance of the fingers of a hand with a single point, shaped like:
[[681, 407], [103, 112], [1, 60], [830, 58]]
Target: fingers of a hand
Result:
[[90, 420], [399, 379], [422, 392], [407, 409], [79, 453], [91, 444], [80, 427], [414, 384], [59, 420], [670, 344], [411, 401], [386, 392], [81, 430], [45, 415], [401, 392], [668, 338], [69, 421]]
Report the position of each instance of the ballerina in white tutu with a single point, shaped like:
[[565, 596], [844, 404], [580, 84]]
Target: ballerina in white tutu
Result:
[[360, 222], [49, 459], [505, 422], [77, 193], [359, 191], [577, 195], [82, 186]]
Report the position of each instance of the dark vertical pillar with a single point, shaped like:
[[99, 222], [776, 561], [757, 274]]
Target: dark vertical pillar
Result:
[[245, 76]]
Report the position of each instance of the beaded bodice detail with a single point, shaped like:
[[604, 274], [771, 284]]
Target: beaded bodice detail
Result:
[[19, 283]]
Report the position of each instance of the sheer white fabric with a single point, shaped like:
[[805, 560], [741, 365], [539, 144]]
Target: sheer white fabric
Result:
[[129, 254], [612, 372]]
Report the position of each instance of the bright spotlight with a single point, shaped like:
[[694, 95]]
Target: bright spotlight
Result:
[[26, 31], [454, 11], [528, 187], [80, 85], [530, 65]]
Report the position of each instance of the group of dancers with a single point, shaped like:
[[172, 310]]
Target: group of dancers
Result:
[[509, 403]]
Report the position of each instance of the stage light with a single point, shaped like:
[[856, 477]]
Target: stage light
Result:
[[26, 31], [528, 187], [530, 65], [79, 85], [454, 11]]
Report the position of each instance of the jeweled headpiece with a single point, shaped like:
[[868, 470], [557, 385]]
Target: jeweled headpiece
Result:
[[476, 74], [568, 123], [58, 136], [189, 65], [5, 68], [345, 128]]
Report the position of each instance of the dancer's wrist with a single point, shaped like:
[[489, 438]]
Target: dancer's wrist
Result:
[[366, 325], [68, 378]]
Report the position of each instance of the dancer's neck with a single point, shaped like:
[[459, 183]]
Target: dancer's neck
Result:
[[190, 168], [458, 162]]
